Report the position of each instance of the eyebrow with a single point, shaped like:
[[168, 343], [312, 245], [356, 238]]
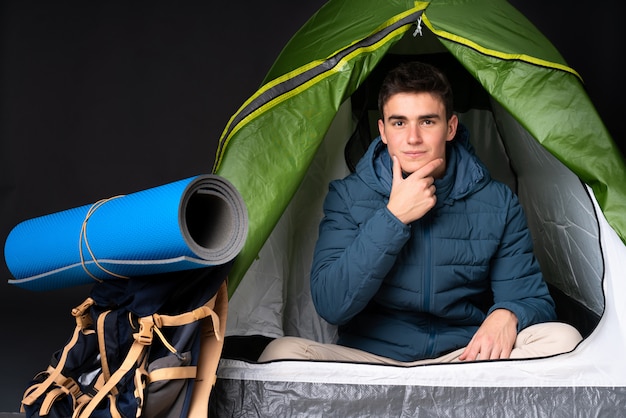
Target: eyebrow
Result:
[[421, 117], [396, 117]]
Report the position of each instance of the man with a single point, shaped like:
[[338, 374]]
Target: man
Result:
[[421, 256]]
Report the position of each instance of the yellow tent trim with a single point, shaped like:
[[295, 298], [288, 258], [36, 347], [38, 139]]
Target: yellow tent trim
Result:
[[305, 86], [498, 54]]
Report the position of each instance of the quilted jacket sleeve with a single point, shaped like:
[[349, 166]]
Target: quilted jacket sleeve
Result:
[[352, 256]]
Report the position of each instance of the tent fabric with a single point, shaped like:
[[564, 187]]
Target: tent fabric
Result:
[[537, 132], [404, 401], [197, 222]]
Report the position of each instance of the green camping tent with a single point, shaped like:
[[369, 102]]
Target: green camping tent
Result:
[[535, 128]]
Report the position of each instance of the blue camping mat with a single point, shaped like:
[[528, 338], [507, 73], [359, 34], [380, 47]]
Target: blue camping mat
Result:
[[197, 222]]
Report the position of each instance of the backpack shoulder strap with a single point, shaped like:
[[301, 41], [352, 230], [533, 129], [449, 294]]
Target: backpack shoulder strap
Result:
[[211, 344], [55, 376], [133, 358]]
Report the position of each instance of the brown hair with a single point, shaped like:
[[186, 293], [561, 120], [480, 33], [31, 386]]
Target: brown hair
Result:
[[416, 77]]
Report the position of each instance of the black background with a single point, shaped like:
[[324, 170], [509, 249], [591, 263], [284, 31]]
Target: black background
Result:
[[106, 98]]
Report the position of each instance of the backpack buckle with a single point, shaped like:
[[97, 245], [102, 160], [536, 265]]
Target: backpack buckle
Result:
[[81, 313], [146, 327], [72, 387]]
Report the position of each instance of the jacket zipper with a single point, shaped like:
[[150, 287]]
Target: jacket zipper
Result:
[[427, 288]]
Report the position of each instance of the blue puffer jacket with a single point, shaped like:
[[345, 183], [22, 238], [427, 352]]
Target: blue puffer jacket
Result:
[[417, 291]]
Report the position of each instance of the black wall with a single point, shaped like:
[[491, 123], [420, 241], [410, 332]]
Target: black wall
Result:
[[106, 98]]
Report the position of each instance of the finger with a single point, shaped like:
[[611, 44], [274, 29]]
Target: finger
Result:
[[396, 169], [427, 170], [468, 353], [433, 193], [503, 353]]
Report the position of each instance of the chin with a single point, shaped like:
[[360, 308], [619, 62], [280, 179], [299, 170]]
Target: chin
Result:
[[411, 168]]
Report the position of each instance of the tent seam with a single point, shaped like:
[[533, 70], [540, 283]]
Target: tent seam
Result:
[[335, 63], [498, 54]]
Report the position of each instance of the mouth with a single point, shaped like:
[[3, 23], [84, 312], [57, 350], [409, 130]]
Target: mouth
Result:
[[414, 154]]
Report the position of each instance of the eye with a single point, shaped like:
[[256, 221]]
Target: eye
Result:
[[398, 123]]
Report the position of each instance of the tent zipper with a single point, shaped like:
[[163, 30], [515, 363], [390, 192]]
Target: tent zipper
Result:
[[272, 91]]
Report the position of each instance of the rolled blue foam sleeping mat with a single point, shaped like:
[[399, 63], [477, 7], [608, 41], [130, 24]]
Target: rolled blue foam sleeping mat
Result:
[[197, 222]]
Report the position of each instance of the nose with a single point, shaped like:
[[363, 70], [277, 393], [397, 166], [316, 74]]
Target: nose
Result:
[[414, 134]]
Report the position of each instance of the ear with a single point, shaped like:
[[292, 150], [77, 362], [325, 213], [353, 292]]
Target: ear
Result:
[[381, 130], [453, 123]]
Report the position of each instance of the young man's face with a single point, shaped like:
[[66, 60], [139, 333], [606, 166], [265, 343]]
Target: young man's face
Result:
[[415, 130]]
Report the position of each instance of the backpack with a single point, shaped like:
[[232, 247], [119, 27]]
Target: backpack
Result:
[[142, 347]]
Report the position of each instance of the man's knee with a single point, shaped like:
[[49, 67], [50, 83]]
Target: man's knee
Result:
[[293, 348], [568, 335], [549, 338]]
